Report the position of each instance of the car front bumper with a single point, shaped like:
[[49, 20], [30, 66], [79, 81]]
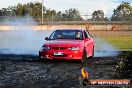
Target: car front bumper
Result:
[[67, 54]]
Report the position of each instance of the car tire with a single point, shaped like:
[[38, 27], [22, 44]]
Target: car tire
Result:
[[93, 53], [39, 57], [84, 57]]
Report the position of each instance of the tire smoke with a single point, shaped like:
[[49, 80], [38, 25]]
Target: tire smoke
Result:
[[104, 49], [22, 39]]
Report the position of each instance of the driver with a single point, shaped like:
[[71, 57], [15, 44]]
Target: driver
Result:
[[78, 35], [59, 36]]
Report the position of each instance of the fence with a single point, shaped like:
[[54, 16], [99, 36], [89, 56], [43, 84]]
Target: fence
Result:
[[7, 22]]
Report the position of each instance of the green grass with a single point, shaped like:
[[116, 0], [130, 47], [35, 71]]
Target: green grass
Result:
[[123, 43], [120, 39]]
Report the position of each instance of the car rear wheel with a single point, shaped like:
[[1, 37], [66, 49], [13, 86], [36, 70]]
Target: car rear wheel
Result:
[[84, 57]]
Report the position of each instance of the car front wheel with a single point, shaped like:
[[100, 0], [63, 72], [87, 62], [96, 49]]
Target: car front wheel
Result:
[[39, 56], [84, 57]]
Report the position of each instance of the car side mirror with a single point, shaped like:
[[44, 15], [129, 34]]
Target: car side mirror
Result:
[[46, 38]]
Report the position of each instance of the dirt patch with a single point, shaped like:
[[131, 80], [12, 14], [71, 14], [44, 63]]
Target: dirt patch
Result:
[[26, 71]]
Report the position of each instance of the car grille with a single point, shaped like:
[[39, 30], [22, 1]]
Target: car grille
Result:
[[59, 48]]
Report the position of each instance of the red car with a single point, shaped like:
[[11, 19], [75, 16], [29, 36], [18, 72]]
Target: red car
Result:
[[68, 44]]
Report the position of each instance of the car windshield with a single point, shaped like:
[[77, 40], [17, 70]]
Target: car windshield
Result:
[[66, 34]]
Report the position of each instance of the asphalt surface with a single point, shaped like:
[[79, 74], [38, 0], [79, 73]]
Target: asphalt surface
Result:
[[26, 71]]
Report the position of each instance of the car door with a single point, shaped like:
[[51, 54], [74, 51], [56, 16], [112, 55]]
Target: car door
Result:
[[88, 43]]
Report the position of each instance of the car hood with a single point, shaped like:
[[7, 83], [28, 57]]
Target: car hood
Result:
[[63, 43]]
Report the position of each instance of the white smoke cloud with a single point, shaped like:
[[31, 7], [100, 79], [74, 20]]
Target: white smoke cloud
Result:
[[104, 49], [21, 39]]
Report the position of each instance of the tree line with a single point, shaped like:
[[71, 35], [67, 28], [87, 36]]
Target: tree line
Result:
[[122, 13]]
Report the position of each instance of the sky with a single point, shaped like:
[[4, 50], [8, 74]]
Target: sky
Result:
[[84, 6]]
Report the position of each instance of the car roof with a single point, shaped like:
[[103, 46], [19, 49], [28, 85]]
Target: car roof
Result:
[[79, 29]]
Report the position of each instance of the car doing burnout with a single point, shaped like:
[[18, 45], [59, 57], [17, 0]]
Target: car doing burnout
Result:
[[68, 44]]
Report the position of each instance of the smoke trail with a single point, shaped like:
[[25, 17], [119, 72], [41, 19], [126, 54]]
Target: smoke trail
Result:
[[22, 39], [104, 49]]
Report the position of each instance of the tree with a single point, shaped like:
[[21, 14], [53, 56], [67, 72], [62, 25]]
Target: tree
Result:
[[3, 13], [35, 10], [32, 9], [50, 15], [71, 15], [59, 16], [98, 15], [123, 12]]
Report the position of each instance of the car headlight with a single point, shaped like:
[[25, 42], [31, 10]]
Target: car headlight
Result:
[[74, 48], [45, 48]]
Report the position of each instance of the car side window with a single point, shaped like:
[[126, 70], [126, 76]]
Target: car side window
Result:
[[86, 34], [52, 35]]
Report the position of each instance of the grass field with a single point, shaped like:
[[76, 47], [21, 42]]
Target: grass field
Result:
[[120, 39]]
